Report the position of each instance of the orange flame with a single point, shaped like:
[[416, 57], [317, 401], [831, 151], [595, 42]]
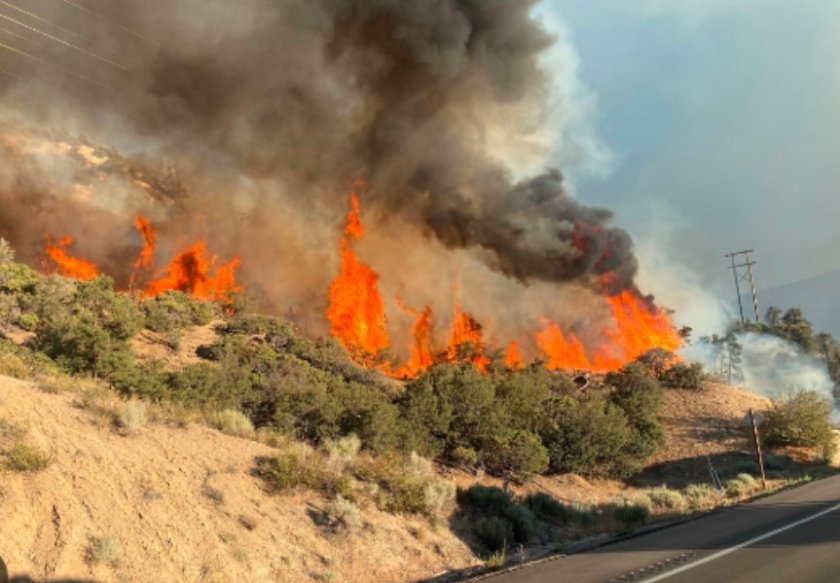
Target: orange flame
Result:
[[66, 264], [421, 352], [639, 327], [356, 311], [564, 353], [189, 272], [467, 331], [146, 258], [513, 359]]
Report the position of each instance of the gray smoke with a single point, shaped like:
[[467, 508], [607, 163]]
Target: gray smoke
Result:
[[297, 99]]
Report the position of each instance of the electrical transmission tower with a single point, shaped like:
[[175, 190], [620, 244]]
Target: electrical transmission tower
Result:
[[741, 276]]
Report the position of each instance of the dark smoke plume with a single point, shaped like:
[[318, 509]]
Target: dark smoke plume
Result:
[[313, 94]]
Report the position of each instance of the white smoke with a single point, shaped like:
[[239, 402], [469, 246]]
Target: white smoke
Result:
[[770, 366]]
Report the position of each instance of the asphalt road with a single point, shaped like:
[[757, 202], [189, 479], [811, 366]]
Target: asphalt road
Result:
[[790, 536]]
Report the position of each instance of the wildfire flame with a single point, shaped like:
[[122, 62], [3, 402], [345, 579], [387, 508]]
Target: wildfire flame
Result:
[[66, 264], [513, 359], [356, 311], [190, 272], [466, 331], [421, 351]]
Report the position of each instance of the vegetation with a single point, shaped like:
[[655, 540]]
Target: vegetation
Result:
[[801, 419]]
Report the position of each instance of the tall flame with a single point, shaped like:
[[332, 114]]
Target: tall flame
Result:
[[564, 352], [147, 255], [513, 359], [66, 264], [356, 311], [190, 272], [466, 331], [421, 351], [639, 327]]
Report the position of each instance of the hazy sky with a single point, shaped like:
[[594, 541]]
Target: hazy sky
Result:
[[720, 118]]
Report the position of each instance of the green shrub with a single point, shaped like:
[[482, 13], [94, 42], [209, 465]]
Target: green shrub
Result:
[[683, 376], [669, 501], [516, 451], [132, 416], [494, 532], [175, 310], [800, 419], [630, 515], [104, 550], [747, 479], [28, 321], [484, 499], [342, 515], [287, 471], [736, 488], [235, 423], [26, 458], [588, 436], [545, 506], [701, 496], [464, 456], [12, 365]]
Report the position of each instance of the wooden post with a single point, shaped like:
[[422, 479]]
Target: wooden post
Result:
[[758, 454]]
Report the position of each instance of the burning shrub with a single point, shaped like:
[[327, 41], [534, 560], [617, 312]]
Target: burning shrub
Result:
[[801, 419]]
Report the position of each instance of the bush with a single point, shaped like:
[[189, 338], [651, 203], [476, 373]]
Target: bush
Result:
[[175, 310], [800, 419], [28, 322], [630, 514], [105, 550], [701, 496], [736, 488], [26, 458], [342, 515], [342, 453], [235, 423], [515, 451], [132, 416], [494, 532], [291, 470], [12, 365], [669, 501], [437, 495], [464, 456], [683, 376], [587, 436]]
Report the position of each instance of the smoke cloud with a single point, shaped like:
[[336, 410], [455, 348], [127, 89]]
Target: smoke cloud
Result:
[[250, 121]]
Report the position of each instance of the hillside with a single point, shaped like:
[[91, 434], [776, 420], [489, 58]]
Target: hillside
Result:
[[184, 507], [187, 497]]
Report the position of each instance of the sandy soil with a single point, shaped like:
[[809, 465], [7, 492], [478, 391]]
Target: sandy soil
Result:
[[184, 507]]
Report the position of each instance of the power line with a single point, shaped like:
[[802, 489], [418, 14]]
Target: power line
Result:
[[38, 59], [108, 20], [63, 42], [41, 19], [8, 74]]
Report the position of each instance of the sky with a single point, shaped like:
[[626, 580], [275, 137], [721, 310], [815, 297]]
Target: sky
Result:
[[715, 129]]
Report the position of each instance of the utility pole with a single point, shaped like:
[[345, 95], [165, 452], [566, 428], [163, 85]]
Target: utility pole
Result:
[[739, 277], [757, 444]]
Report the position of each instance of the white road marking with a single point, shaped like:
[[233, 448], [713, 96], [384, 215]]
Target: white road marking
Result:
[[737, 547]]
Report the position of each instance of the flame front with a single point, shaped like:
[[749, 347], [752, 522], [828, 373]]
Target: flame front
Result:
[[513, 359], [356, 311], [66, 264], [466, 332], [639, 327], [564, 352], [421, 350], [190, 272]]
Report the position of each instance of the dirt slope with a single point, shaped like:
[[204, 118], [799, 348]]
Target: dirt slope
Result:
[[184, 507]]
